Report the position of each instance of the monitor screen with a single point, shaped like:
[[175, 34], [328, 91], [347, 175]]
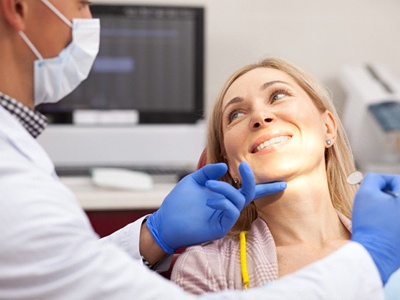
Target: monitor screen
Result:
[[149, 68]]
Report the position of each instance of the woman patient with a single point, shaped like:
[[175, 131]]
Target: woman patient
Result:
[[283, 123]]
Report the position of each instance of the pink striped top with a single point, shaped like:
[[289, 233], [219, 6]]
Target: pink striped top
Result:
[[215, 266]]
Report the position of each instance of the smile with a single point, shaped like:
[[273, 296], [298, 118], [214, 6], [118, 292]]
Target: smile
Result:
[[273, 141]]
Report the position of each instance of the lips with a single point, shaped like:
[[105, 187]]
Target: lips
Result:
[[262, 143]]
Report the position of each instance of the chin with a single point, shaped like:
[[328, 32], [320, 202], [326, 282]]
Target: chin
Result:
[[279, 174], [266, 179]]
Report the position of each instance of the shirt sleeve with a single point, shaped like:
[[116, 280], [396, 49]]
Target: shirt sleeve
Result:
[[392, 287], [127, 239]]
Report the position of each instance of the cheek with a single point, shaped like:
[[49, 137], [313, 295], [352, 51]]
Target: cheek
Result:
[[231, 144], [298, 114], [313, 137], [234, 145], [309, 120]]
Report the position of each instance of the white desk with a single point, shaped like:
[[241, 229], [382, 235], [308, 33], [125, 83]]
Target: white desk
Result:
[[94, 198]]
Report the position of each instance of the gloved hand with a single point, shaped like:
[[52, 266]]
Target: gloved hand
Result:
[[201, 209], [376, 221]]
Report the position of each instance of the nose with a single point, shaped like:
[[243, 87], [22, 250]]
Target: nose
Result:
[[261, 119], [259, 124]]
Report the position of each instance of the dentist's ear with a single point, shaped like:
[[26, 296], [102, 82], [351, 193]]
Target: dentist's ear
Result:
[[14, 12]]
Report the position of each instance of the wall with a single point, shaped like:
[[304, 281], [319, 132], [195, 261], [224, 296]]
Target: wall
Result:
[[319, 36]]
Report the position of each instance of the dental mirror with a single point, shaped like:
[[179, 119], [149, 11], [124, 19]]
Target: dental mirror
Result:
[[355, 178]]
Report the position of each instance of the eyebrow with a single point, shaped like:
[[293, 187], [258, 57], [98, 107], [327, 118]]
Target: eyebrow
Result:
[[262, 87], [269, 83]]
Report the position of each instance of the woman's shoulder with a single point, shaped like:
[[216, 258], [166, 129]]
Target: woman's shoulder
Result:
[[205, 268], [223, 247]]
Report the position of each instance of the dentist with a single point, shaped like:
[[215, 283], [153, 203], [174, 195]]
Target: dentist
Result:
[[48, 249]]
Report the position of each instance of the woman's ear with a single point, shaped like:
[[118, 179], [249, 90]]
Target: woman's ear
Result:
[[330, 127], [13, 13], [235, 177]]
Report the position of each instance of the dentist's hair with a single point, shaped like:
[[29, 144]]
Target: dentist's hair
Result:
[[339, 160]]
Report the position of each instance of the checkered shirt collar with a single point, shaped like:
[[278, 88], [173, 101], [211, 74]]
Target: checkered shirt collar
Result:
[[33, 121]]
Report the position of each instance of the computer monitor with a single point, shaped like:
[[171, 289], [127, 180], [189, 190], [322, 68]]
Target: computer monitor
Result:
[[146, 87], [150, 61]]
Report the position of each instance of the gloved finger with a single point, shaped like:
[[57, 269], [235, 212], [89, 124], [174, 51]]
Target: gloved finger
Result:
[[251, 191], [237, 198], [383, 182], [392, 182], [248, 182], [266, 189], [227, 208], [210, 171], [227, 190]]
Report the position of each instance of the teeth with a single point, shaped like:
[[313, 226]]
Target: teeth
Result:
[[275, 140]]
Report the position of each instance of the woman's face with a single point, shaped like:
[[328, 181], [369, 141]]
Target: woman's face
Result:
[[270, 122]]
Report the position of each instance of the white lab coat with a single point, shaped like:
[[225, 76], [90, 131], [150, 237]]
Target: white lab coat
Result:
[[48, 249]]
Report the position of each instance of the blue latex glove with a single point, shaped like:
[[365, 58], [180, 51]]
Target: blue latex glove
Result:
[[376, 221], [201, 209]]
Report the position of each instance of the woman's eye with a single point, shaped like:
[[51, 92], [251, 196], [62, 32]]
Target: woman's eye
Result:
[[278, 96], [234, 115]]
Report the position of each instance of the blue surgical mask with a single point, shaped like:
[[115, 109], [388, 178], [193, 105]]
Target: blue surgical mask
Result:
[[56, 77]]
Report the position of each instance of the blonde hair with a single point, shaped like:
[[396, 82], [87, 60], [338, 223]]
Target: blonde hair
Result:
[[339, 160]]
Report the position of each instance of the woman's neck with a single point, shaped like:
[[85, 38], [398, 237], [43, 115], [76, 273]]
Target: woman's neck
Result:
[[302, 214]]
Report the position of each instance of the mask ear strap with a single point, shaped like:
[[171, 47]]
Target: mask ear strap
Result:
[[30, 45], [57, 12]]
